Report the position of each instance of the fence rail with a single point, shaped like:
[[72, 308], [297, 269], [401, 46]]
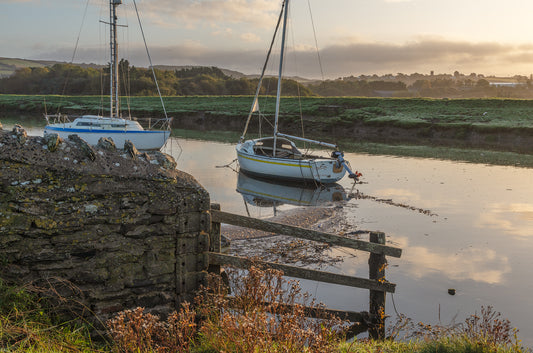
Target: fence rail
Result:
[[374, 320], [278, 228], [304, 273]]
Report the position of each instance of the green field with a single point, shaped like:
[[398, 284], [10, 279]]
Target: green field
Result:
[[510, 113], [498, 131]]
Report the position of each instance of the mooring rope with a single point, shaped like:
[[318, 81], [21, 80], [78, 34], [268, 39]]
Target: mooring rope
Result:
[[229, 165]]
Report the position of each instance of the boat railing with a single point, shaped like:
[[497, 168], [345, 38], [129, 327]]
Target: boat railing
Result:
[[155, 123], [57, 118]]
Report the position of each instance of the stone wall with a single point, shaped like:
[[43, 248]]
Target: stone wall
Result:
[[105, 229]]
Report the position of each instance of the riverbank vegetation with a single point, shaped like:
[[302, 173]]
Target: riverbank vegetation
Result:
[[72, 79], [493, 131], [488, 114], [31, 77], [244, 324]]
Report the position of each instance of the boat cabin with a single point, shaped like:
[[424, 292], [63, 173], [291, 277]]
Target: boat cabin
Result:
[[284, 148], [105, 123]]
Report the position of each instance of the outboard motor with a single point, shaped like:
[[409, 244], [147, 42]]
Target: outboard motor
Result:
[[339, 155]]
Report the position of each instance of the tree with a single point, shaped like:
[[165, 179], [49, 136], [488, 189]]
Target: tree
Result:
[[483, 84]]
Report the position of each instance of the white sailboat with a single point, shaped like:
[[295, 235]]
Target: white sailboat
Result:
[[277, 156], [93, 127]]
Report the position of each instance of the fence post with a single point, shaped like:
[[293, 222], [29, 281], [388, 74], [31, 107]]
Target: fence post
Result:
[[214, 239], [377, 264]]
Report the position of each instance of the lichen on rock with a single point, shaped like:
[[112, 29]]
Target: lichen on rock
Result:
[[20, 134], [118, 230], [87, 149], [52, 141], [107, 144], [130, 149]]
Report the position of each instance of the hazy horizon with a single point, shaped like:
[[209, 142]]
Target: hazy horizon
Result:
[[354, 37]]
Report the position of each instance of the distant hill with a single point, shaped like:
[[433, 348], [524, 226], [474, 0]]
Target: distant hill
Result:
[[9, 65], [192, 81]]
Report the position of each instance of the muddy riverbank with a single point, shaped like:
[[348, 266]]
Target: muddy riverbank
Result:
[[272, 247], [492, 124]]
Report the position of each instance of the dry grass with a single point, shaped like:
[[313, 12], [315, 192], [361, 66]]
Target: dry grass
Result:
[[28, 324], [137, 331], [484, 332], [265, 314]]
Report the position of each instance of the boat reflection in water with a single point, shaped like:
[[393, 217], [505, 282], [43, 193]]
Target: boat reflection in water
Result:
[[269, 193]]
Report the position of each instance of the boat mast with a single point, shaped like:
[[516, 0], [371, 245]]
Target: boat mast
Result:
[[113, 65], [279, 76]]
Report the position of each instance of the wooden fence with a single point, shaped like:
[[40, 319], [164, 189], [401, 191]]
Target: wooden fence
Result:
[[373, 320]]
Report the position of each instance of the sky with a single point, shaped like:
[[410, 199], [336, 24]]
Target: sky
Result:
[[353, 37]]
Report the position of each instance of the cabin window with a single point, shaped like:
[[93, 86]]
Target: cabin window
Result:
[[86, 123]]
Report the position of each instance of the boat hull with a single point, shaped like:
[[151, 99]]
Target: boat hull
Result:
[[143, 139], [263, 192], [321, 170]]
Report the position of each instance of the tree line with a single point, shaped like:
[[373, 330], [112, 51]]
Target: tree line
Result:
[[417, 85], [70, 79]]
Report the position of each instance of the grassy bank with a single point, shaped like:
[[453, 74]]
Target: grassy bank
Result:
[[209, 326], [491, 131], [487, 113]]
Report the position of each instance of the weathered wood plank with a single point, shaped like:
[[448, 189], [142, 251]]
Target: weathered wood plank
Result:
[[214, 235], [214, 240], [314, 275], [376, 271], [248, 222]]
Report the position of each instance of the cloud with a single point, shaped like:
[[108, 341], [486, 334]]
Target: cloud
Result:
[[258, 13], [514, 219], [416, 55], [250, 37], [225, 32], [471, 264], [420, 55], [468, 263]]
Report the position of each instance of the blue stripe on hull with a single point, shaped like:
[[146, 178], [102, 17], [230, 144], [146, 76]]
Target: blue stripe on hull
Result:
[[86, 131]]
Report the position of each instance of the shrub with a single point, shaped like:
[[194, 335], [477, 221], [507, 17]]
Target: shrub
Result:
[[137, 331], [266, 313]]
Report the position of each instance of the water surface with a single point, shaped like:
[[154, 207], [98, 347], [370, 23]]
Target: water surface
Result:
[[477, 237]]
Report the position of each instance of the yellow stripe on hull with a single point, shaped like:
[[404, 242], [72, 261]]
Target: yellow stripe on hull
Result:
[[277, 163]]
